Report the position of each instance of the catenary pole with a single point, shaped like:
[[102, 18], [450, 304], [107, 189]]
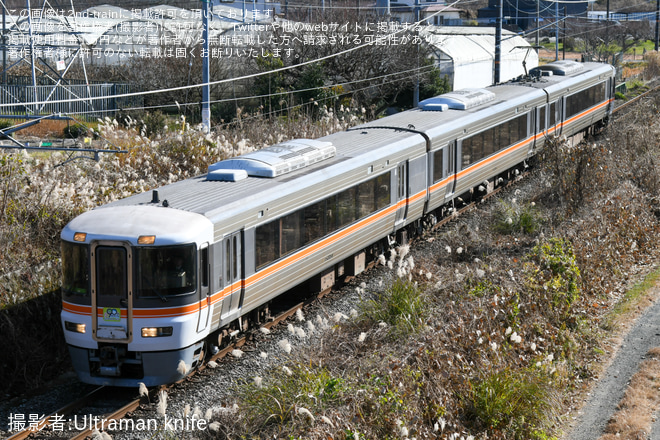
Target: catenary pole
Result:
[[498, 42], [206, 93]]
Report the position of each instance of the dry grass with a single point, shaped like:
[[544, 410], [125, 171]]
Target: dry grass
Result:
[[634, 417]]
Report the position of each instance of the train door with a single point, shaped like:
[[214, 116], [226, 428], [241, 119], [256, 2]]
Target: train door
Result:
[[233, 269], [204, 296], [450, 169], [532, 128], [402, 191], [112, 292]]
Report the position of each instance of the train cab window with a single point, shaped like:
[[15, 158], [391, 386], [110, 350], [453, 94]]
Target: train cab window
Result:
[[165, 271], [75, 265]]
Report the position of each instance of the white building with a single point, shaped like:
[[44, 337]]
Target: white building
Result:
[[467, 54]]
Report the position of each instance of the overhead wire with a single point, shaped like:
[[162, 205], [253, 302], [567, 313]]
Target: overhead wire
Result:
[[411, 73]]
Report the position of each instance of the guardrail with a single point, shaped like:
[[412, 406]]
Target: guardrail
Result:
[[18, 99]]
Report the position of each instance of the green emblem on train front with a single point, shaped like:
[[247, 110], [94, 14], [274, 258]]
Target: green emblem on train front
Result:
[[111, 314]]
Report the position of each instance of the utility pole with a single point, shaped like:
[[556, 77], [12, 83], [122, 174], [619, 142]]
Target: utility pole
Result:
[[563, 38], [538, 22], [607, 20], [498, 42], [657, 23], [34, 74], [4, 46], [557, 30], [206, 92], [416, 90]]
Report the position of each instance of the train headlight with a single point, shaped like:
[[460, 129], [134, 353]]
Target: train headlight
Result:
[[156, 332], [146, 239], [80, 236], [74, 327]]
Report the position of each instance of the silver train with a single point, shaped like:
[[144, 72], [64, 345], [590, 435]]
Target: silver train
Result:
[[150, 281]]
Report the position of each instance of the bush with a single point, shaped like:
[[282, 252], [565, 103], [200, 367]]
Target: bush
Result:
[[401, 306], [278, 401], [516, 403], [511, 217], [74, 131], [553, 274]]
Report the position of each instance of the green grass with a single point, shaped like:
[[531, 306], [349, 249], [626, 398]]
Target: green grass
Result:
[[631, 300], [517, 404], [401, 306], [275, 402]]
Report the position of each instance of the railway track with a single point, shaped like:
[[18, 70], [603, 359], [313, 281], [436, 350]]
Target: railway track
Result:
[[626, 105]]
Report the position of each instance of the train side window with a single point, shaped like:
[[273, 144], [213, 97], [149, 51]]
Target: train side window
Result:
[[366, 198], [521, 126], [267, 242], [383, 195], [292, 225], [437, 165], [581, 101], [483, 138], [501, 139], [293, 231], [552, 116], [511, 128], [466, 151], [346, 212], [541, 119], [331, 214], [477, 146], [314, 222], [218, 268]]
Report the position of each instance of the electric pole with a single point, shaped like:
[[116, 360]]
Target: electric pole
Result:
[[206, 93], [498, 42], [657, 23]]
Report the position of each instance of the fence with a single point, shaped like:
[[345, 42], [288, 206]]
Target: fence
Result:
[[17, 99]]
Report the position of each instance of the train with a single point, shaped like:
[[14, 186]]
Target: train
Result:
[[150, 282]]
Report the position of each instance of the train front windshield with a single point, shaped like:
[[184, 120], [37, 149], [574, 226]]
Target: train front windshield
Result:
[[165, 271], [159, 271], [75, 262]]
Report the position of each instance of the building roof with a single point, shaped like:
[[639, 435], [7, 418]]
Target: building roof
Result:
[[471, 52]]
